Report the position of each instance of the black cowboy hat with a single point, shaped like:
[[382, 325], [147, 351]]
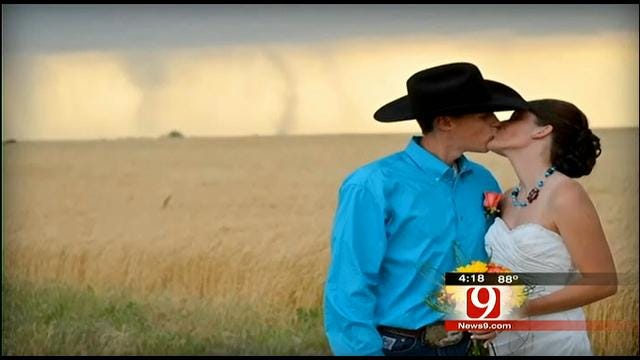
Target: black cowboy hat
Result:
[[450, 89]]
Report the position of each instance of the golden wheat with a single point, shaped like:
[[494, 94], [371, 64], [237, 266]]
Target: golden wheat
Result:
[[245, 218]]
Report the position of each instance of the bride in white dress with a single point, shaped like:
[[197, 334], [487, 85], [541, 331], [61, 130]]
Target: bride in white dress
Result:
[[548, 224]]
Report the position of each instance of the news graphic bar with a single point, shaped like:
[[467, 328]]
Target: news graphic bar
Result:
[[540, 325], [515, 278]]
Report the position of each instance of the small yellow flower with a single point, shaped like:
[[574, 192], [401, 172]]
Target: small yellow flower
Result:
[[518, 296], [474, 267]]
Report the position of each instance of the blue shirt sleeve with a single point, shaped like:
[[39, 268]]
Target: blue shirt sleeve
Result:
[[358, 246]]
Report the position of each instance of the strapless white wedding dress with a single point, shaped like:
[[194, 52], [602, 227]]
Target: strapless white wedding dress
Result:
[[532, 248]]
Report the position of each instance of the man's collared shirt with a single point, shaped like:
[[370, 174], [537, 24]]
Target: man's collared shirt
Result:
[[401, 223]]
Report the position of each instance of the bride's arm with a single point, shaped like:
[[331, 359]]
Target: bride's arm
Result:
[[577, 220]]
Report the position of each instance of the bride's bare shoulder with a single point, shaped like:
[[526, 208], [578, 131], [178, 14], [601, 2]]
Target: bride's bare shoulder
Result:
[[568, 193]]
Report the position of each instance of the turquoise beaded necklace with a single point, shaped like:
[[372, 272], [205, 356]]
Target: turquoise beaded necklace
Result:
[[533, 194]]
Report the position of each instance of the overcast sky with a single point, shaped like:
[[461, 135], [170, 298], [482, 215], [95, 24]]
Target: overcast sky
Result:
[[52, 28], [109, 71]]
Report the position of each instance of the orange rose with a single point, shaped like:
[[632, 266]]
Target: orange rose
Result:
[[492, 202]]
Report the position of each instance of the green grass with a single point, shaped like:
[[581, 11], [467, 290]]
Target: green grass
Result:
[[54, 319]]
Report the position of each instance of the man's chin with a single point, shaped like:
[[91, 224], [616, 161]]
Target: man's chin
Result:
[[482, 149], [490, 144], [485, 150]]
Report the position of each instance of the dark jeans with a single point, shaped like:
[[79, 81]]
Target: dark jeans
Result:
[[400, 345]]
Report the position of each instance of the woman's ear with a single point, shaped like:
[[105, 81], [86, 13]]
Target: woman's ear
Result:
[[542, 131]]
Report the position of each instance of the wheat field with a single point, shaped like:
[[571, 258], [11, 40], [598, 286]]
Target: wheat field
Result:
[[241, 221]]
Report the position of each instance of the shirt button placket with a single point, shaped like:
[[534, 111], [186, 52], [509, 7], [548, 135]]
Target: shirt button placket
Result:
[[454, 209]]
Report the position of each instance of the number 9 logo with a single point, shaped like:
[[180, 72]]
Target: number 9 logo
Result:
[[483, 302]]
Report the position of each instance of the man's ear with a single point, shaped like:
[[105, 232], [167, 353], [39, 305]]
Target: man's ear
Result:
[[443, 123], [542, 131]]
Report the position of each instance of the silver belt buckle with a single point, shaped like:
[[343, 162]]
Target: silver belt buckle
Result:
[[452, 338], [437, 336]]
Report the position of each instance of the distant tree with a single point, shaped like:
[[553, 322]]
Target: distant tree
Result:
[[175, 134], [9, 141]]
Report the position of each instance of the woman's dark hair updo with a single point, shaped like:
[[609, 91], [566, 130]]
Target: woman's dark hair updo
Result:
[[574, 147]]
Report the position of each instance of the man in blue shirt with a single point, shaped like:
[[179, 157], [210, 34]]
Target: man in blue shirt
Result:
[[401, 219]]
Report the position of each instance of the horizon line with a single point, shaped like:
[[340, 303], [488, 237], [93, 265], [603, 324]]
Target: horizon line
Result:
[[166, 136]]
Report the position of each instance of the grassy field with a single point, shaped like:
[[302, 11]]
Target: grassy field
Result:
[[62, 320], [217, 246], [56, 319]]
